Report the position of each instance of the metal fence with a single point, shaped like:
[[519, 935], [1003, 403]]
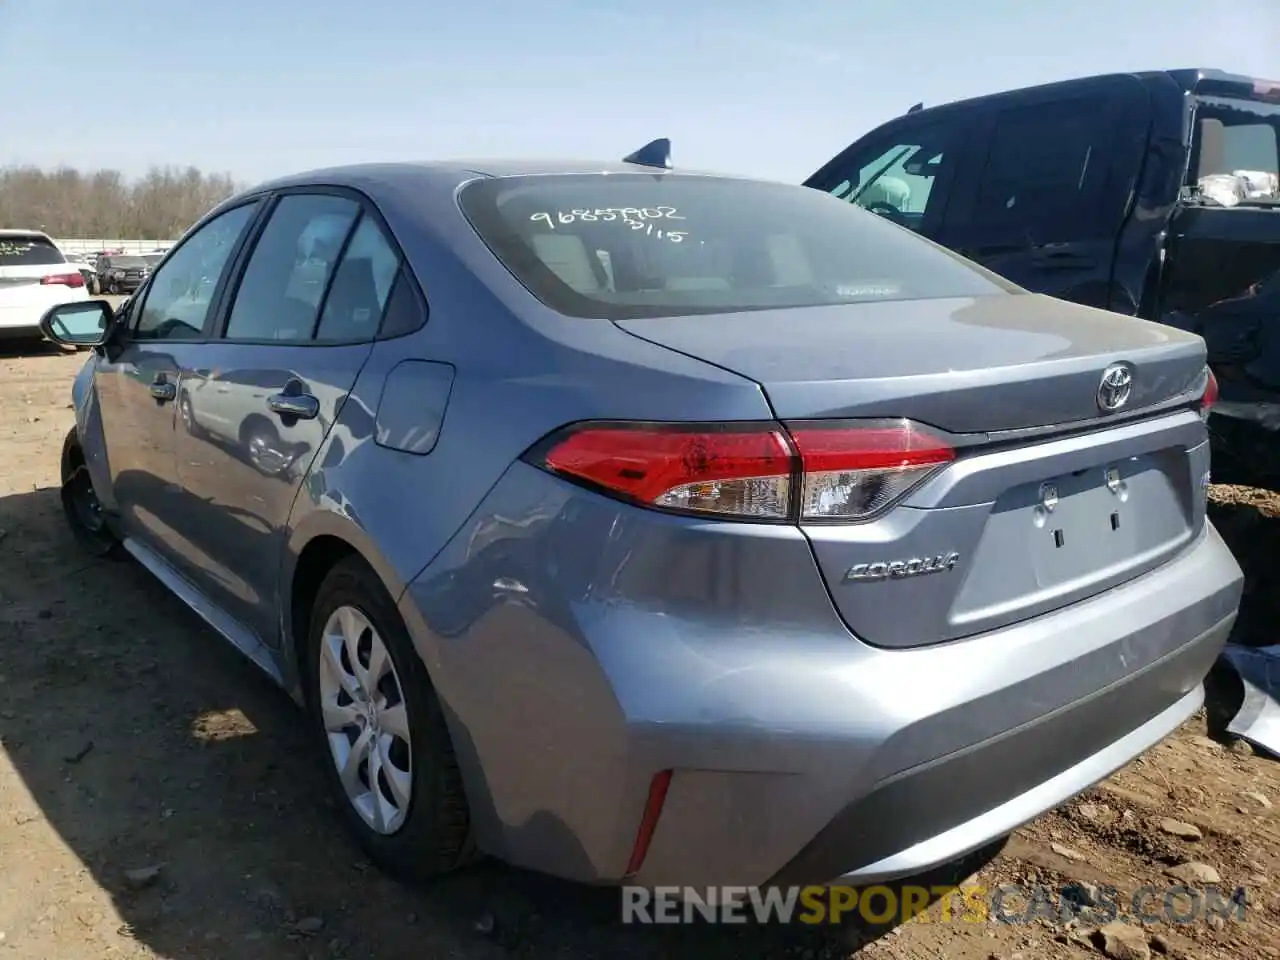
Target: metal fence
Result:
[[93, 245]]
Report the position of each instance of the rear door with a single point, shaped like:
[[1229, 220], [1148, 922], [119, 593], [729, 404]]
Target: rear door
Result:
[[1046, 203], [34, 276], [256, 405]]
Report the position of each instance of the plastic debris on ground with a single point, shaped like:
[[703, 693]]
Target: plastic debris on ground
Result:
[[1258, 719]]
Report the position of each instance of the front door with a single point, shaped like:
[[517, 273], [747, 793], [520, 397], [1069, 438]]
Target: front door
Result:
[[138, 381], [256, 404]]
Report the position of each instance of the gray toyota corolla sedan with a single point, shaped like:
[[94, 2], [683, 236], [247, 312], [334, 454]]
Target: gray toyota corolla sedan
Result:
[[631, 524]]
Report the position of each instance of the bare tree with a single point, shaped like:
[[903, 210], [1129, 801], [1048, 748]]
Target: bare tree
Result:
[[101, 203]]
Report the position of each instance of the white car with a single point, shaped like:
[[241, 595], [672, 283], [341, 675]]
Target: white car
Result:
[[34, 276]]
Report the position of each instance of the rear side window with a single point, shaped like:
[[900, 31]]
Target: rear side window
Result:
[[361, 286], [289, 270], [1237, 150], [29, 251], [1046, 172], [641, 245]]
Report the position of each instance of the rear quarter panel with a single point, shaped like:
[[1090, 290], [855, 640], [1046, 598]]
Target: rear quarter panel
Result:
[[519, 372]]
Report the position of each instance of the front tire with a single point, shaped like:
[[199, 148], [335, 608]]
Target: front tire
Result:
[[382, 735], [84, 513]]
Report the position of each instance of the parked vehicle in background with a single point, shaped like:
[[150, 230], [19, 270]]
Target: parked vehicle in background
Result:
[[754, 501], [87, 270], [1150, 194], [34, 276], [123, 273]]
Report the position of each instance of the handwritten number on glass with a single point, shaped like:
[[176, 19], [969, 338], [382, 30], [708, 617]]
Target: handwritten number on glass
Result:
[[636, 218]]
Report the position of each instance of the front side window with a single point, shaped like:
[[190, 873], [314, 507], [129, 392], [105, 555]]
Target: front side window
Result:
[[180, 293], [288, 272], [640, 245], [901, 180]]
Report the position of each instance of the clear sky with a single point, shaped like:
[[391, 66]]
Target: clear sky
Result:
[[763, 87]]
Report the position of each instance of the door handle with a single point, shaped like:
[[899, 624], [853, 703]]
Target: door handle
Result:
[[301, 406], [162, 389], [1064, 260]]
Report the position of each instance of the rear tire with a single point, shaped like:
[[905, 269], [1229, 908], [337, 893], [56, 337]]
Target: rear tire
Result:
[[419, 828]]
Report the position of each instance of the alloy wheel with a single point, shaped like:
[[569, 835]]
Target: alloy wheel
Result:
[[365, 720]]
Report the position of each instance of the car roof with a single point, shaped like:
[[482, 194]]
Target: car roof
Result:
[[1190, 80], [377, 178], [13, 233]]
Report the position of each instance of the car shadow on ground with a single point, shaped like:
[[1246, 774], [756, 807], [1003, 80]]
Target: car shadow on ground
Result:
[[30, 347], [184, 783]]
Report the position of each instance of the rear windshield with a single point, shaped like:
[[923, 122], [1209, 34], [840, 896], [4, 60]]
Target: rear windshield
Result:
[[28, 252], [1237, 151], [622, 246]]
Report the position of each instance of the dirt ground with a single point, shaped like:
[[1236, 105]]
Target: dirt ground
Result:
[[157, 798]]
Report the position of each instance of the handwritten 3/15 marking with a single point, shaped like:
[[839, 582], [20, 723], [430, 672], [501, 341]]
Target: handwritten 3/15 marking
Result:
[[635, 218]]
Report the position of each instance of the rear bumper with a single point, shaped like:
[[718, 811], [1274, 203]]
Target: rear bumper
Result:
[[24, 321], [19, 332], [581, 646], [941, 810]]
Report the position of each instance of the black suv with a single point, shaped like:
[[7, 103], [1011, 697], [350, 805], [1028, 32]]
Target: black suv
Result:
[[1151, 194], [122, 273]]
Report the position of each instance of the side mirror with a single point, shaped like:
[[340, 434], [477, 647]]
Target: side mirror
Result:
[[84, 323]]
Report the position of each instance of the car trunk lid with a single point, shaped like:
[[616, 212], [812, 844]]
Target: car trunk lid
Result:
[[966, 365], [1017, 525]]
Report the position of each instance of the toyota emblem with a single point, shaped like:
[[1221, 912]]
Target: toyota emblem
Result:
[[1116, 385]]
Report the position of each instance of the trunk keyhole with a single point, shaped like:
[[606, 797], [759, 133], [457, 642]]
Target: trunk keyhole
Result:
[[1115, 521], [1057, 538]]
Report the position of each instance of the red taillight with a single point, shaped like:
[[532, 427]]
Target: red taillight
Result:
[[815, 470], [854, 471], [1210, 395], [740, 470], [63, 279]]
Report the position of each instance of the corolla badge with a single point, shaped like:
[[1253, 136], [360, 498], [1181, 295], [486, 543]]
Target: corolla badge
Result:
[[898, 569], [1116, 385]]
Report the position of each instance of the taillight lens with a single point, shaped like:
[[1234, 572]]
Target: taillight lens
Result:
[[63, 279], [1210, 395], [744, 471], [853, 471], [815, 470]]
